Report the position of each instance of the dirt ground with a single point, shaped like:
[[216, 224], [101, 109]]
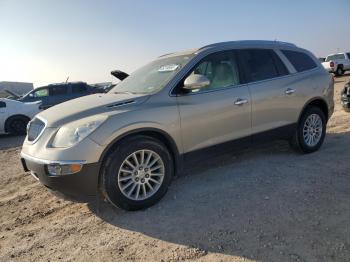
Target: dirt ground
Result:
[[265, 204]]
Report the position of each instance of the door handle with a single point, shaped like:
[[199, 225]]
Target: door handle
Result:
[[290, 91], [240, 101]]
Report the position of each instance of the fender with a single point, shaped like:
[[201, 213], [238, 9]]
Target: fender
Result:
[[314, 99], [154, 132]]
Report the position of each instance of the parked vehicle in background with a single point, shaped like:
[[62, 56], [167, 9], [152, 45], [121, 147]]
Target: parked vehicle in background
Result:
[[15, 115], [345, 97], [337, 63], [128, 143], [119, 74], [57, 93]]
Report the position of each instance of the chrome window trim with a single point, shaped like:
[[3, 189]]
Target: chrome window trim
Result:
[[212, 90], [203, 53], [41, 132]]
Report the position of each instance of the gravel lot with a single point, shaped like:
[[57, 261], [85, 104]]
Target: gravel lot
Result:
[[265, 204]]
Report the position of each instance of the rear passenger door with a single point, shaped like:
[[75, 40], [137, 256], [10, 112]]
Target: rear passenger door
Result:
[[274, 101], [58, 94]]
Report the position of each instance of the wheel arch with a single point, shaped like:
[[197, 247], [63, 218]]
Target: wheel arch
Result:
[[317, 102], [156, 133], [7, 121]]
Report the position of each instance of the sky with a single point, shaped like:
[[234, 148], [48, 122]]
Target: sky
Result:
[[46, 41]]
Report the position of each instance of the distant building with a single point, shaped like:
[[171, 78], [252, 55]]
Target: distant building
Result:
[[19, 88]]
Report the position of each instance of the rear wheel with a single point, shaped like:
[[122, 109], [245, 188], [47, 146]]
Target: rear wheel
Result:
[[310, 132], [339, 71], [17, 125], [137, 173]]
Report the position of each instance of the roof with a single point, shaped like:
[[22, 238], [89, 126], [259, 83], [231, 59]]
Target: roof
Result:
[[66, 83], [267, 43], [249, 43], [341, 53]]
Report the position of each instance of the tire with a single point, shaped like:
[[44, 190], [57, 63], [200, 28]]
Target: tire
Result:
[[17, 125], [299, 141], [339, 71], [114, 178]]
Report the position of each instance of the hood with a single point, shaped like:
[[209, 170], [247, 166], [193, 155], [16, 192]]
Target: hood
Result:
[[16, 102], [85, 106], [12, 94], [119, 74]]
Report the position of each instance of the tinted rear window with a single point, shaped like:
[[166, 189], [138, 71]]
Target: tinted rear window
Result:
[[79, 88], [2, 104], [58, 90], [299, 60], [261, 64]]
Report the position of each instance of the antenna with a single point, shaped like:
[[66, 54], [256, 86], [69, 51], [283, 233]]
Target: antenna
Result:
[[67, 79]]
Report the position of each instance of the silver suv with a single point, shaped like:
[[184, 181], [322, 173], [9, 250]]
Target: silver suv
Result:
[[129, 143]]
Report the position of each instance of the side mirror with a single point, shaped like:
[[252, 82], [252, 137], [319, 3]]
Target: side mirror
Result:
[[196, 81]]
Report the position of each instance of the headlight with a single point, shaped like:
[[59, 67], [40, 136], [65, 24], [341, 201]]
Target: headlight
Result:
[[74, 132]]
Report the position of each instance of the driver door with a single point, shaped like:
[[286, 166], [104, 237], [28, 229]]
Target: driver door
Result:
[[219, 112]]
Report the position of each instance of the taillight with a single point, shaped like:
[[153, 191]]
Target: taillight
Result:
[[331, 64]]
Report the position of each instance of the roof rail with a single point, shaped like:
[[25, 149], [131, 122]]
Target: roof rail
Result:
[[251, 42]]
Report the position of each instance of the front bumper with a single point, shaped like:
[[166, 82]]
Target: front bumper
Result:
[[79, 186]]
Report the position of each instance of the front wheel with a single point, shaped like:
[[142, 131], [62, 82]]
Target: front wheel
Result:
[[311, 131], [17, 125], [137, 173]]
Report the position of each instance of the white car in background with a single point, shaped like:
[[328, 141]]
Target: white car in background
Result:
[[337, 63], [15, 115]]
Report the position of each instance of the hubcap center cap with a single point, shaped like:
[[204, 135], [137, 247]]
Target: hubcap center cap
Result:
[[141, 174]]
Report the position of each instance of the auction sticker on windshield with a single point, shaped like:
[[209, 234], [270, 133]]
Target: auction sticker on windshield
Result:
[[168, 68]]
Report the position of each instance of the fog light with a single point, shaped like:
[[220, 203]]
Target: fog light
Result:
[[57, 169]]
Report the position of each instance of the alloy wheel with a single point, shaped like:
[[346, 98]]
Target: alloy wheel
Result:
[[312, 130], [141, 174]]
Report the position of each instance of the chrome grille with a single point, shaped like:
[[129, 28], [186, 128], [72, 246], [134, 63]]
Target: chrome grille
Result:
[[35, 128]]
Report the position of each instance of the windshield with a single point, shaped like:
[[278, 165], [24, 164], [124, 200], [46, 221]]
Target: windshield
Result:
[[153, 76]]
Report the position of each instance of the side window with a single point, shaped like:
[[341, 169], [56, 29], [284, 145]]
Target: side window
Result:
[[79, 88], [299, 60], [41, 92], [2, 104], [220, 68], [58, 90], [340, 56], [329, 58], [348, 54], [261, 64]]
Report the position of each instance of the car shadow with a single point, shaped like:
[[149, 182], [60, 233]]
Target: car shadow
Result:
[[10, 141], [267, 203]]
